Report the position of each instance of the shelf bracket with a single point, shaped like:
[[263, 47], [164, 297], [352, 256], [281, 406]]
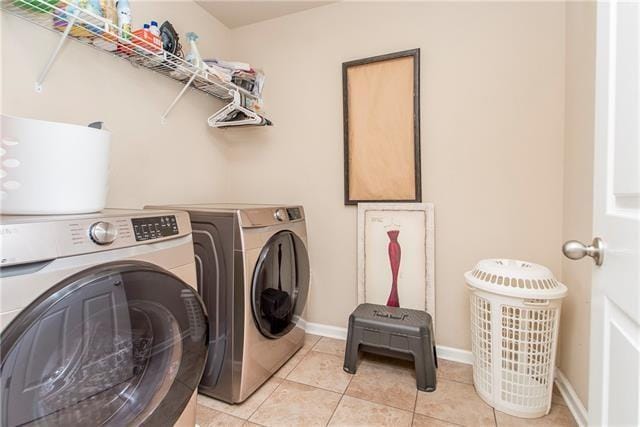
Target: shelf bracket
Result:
[[163, 119], [54, 55]]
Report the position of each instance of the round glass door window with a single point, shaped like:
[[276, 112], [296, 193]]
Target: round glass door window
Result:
[[120, 344], [280, 284]]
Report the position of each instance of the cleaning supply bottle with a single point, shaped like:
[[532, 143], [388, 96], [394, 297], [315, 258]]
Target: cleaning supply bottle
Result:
[[194, 56], [124, 18], [108, 40], [94, 7], [109, 12], [154, 28]]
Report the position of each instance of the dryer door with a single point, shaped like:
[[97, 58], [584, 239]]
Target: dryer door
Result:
[[212, 245], [120, 344], [280, 284]]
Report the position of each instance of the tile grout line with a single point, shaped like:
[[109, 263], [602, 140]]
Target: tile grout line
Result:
[[415, 404], [281, 381], [304, 355], [327, 352], [344, 392], [335, 409], [411, 410], [272, 391], [317, 386], [455, 381], [266, 398], [431, 416], [299, 361], [295, 366], [439, 419], [377, 403], [315, 344]]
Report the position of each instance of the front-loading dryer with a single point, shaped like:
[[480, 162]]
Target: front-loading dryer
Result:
[[101, 322], [253, 275]]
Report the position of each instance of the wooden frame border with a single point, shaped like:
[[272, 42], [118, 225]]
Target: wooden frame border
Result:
[[430, 264], [415, 53]]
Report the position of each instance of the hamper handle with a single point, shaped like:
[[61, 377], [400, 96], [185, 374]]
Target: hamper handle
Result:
[[536, 303]]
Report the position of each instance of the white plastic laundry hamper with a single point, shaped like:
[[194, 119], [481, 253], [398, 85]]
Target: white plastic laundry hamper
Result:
[[515, 313], [52, 168]]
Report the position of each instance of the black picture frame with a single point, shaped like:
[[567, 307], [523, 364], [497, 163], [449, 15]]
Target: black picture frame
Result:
[[415, 54]]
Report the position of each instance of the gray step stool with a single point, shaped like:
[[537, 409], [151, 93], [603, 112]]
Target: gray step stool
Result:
[[395, 332]]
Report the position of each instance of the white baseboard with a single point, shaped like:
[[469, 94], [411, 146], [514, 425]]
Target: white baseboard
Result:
[[454, 354], [448, 353], [571, 399], [326, 330]]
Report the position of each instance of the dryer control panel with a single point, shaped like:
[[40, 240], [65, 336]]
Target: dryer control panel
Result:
[[149, 228], [294, 214], [270, 215]]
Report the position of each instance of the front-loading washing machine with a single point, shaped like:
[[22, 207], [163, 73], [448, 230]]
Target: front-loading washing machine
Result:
[[101, 322], [253, 275]]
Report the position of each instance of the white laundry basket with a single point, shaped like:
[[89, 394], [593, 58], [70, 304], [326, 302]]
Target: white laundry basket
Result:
[[52, 168], [515, 313]]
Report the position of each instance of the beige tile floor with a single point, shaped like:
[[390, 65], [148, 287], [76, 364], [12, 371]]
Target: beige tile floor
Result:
[[311, 389]]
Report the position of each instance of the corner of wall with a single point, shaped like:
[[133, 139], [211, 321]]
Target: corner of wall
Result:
[[573, 357]]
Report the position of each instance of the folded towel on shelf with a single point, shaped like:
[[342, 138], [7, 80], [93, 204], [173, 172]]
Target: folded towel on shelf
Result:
[[239, 73], [220, 73], [231, 65]]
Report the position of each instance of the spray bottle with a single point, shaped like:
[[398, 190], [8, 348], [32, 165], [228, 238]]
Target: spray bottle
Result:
[[194, 56]]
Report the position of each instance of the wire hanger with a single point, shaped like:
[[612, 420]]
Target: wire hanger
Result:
[[225, 116]]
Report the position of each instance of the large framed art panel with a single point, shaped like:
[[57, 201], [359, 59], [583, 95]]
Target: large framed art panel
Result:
[[381, 106]]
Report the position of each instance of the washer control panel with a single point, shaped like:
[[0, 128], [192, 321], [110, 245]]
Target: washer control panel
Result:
[[150, 228]]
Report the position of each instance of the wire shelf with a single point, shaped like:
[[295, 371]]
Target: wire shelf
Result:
[[83, 26]]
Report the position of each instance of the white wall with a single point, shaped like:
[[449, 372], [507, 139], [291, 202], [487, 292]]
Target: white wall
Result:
[[180, 161], [492, 101]]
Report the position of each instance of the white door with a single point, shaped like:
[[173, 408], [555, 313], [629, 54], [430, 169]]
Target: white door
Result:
[[614, 383]]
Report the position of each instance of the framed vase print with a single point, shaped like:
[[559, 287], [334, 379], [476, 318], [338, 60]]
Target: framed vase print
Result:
[[381, 109], [396, 255]]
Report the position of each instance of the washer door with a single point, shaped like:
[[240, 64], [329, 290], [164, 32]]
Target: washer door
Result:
[[280, 284], [120, 344]]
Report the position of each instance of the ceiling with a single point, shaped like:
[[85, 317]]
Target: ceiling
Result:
[[236, 13]]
